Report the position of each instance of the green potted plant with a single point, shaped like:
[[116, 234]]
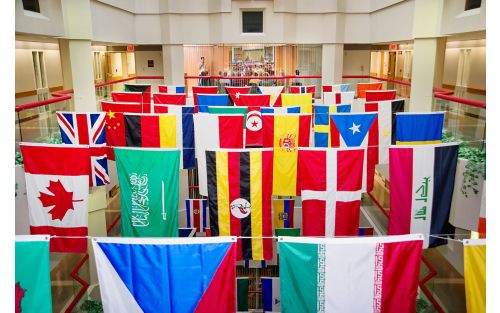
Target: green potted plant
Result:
[[91, 306]]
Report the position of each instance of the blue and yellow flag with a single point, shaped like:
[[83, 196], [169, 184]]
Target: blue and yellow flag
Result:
[[419, 128], [304, 100], [322, 122]]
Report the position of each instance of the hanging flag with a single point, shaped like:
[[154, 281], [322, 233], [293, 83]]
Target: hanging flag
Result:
[[239, 198], [271, 294], [254, 264], [206, 100], [255, 100], [145, 90], [285, 133], [335, 88], [202, 90], [184, 131], [381, 135], [57, 186], [274, 92], [303, 100], [280, 110], [130, 97], [113, 107], [32, 289], [283, 213], [294, 232], [169, 98], [242, 284], [475, 275], [332, 184], [350, 129], [481, 228], [149, 191], [171, 89], [228, 110], [419, 128], [380, 95], [365, 231], [155, 274], [253, 123], [333, 98], [235, 92], [321, 122], [422, 179], [150, 130], [197, 214], [212, 132], [363, 87], [87, 129], [187, 232], [378, 274], [303, 89]]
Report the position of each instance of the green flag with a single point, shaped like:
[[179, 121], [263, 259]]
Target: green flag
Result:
[[242, 293], [33, 292], [291, 232], [149, 187]]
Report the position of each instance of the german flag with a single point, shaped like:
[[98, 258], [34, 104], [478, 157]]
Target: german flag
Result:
[[239, 197], [150, 130]]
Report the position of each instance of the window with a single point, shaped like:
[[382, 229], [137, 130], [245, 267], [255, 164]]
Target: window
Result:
[[31, 5], [472, 4], [252, 22]]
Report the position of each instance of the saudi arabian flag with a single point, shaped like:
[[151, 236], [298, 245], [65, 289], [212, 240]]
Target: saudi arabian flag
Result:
[[33, 292], [149, 187], [377, 274]]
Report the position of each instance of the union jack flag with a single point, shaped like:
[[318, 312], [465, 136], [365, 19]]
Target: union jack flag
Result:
[[87, 129]]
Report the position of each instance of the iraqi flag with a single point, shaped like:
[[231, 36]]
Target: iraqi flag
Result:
[[197, 214], [213, 131], [334, 98], [381, 135], [274, 92], [145, 90], [422, 179], [202, 90], [303, 89], [166, 275], [377, 274], [235, 92], [184, 125], [271, 294], [57, 187], [363, 87], [380, 95], [210, 100], [331, 188], [286, 133], [169, 98], [171, 89], [239, 198]]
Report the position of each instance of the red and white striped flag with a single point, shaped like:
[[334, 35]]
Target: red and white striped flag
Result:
[[57, 187], [331, 188], [197, 214]]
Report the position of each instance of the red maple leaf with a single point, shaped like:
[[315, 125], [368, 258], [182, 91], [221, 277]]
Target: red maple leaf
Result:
[[19, 296], [60, 200]]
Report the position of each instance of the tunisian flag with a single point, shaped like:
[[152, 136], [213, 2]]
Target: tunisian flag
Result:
[[57, 186], [331, 187]]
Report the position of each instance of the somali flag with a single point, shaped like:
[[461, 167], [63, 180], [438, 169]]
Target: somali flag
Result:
[[419, 128], [206, 100], [166, 275]]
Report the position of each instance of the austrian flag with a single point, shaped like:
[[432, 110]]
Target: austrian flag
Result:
[[57, 180]]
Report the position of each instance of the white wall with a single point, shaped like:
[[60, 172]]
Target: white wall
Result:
[[110, 24], [394, 23], [477, 76], [356, 62], [48, 22], [455, 20], [141, 63]]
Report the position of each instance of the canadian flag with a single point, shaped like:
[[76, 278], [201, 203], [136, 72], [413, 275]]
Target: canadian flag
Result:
[[57, 180]]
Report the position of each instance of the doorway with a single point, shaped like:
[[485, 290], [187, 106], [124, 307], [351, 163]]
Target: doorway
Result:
[[391, 72]]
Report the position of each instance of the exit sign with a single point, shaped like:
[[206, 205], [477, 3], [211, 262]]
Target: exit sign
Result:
[[393, 46]]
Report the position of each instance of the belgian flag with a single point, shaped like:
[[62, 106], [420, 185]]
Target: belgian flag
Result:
[[150, 130], [239, 197]]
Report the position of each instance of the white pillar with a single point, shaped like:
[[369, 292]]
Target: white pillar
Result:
[[428, 54], [65, 64], [332, 62], [173, 64]]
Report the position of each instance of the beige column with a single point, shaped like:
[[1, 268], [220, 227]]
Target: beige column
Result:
[[332, 61], [428, 54], [173, 64]]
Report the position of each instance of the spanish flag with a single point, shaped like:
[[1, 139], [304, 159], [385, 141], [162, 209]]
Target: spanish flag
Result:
[[150, 130], [239, 198], [304, 100], [475, 275], [286, 133]]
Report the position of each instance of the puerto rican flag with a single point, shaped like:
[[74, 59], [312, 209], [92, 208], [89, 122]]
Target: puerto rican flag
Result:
[[166, 275], [87, 129], [331, 188]]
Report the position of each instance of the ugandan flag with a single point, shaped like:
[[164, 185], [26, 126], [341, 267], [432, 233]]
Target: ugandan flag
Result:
[[239, 198], [150, 130]]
